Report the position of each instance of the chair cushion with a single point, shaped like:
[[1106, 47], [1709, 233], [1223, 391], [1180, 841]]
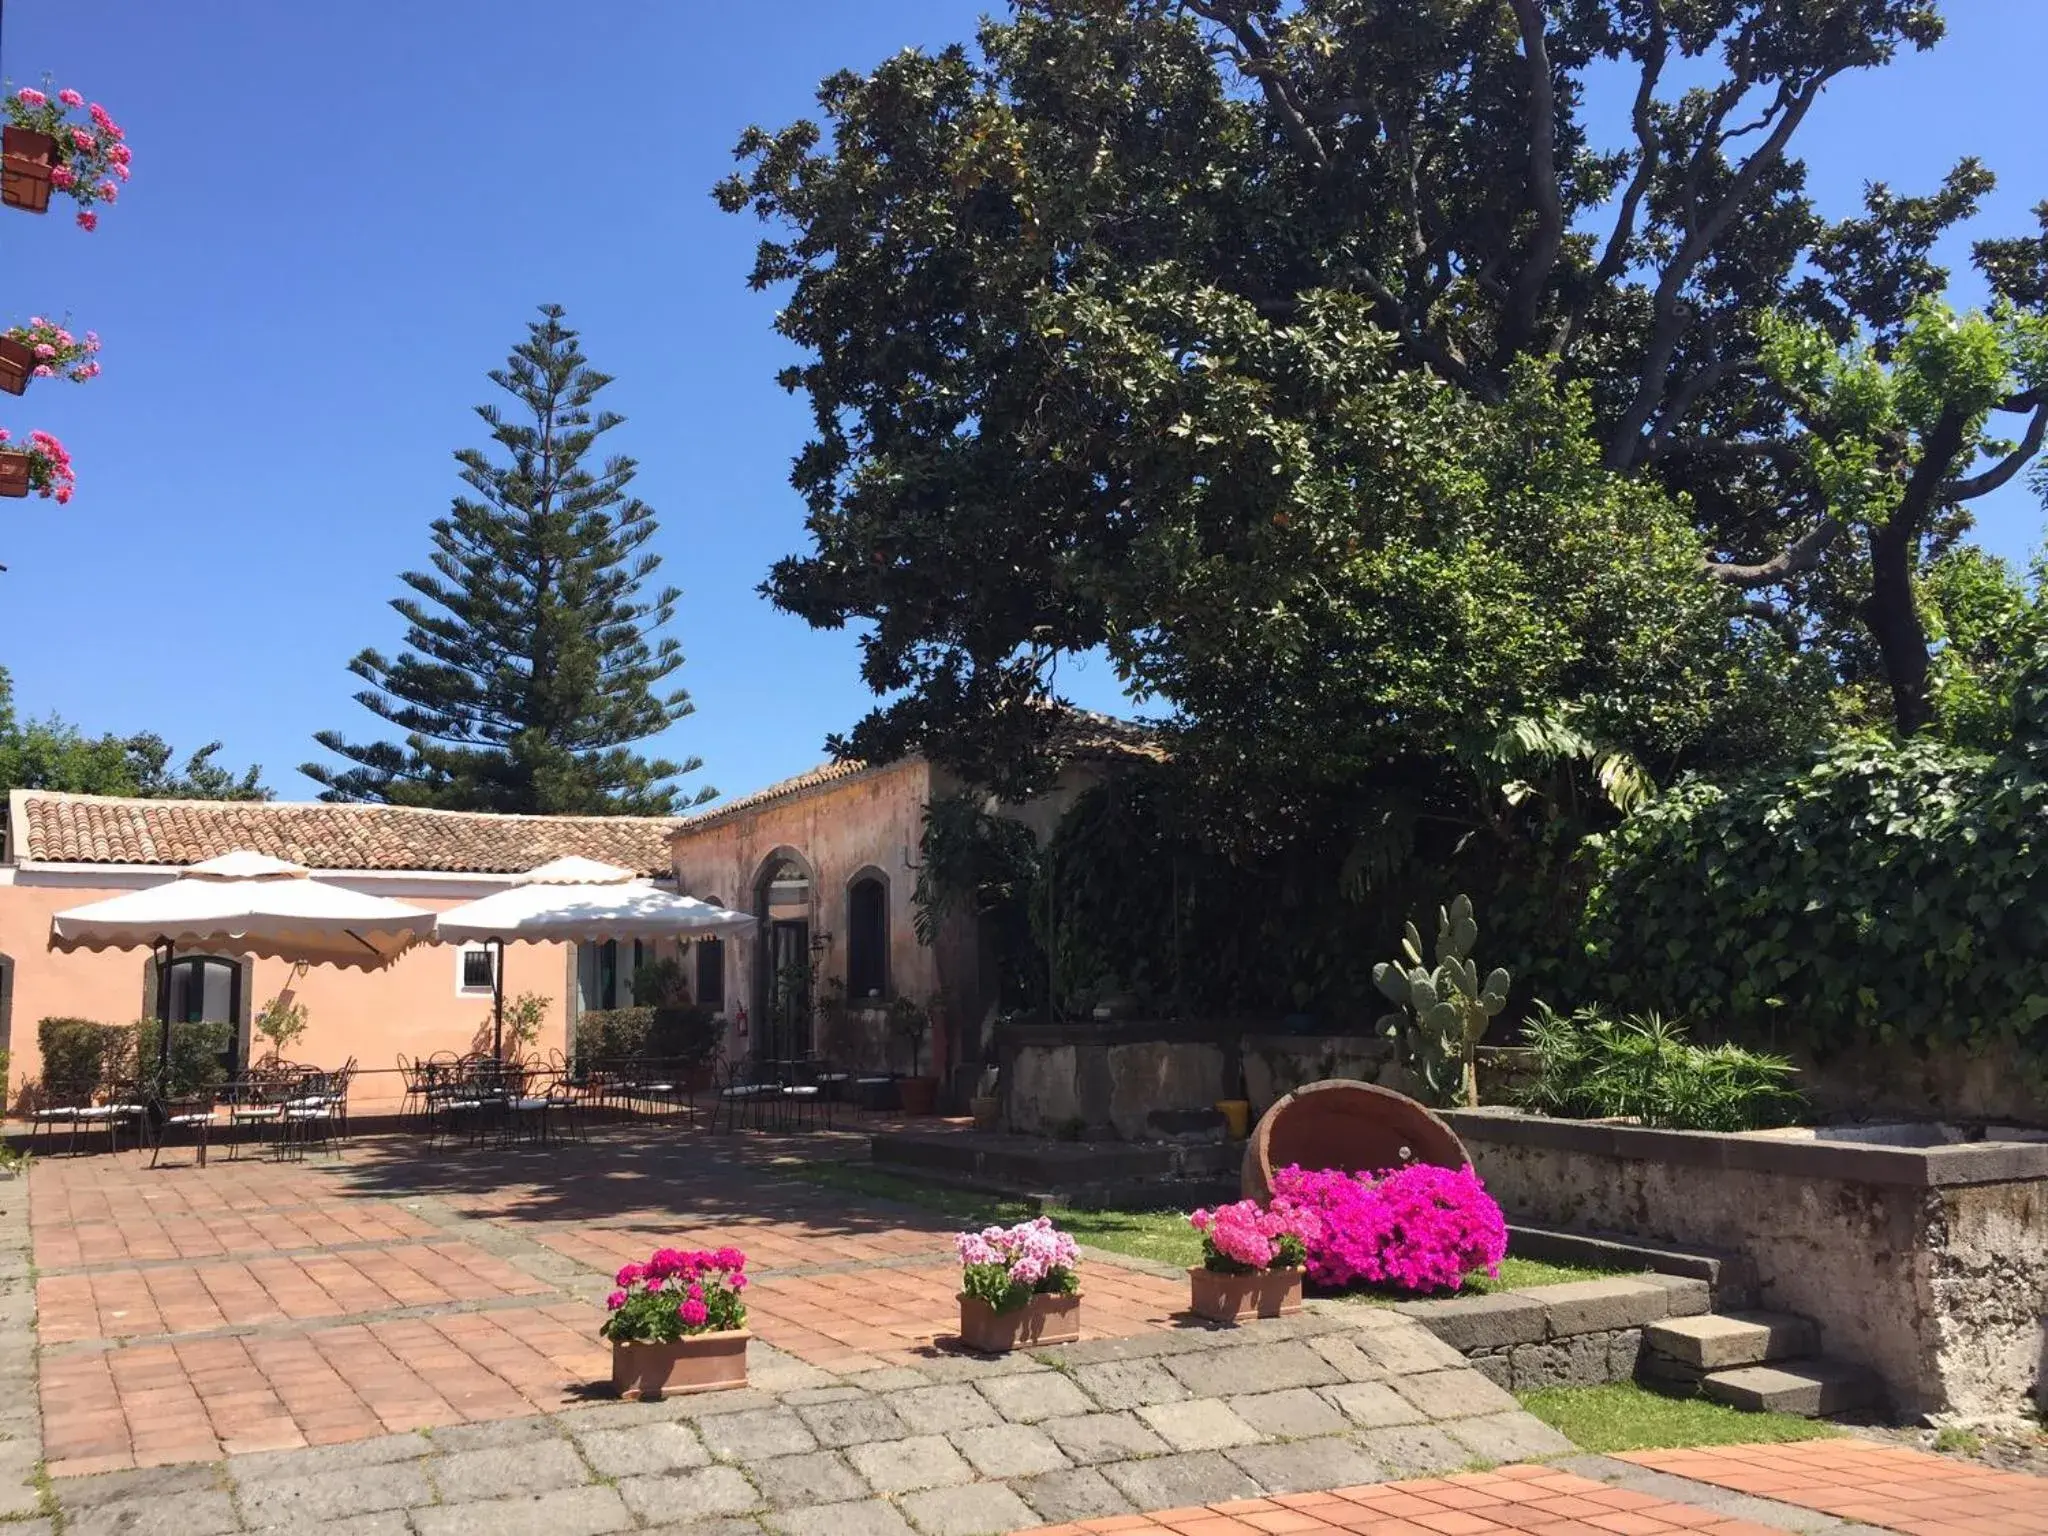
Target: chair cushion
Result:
[[67, 1113], [190, 1120], [529, 1103]]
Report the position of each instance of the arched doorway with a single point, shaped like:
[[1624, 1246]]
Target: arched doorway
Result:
[[783, 983]]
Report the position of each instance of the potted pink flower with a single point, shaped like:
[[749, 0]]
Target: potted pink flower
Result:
[[678, 1323], [1252, 1259], [46, 148], [1419, 1230], [42, 349], [1020, 1287], [40, 465]]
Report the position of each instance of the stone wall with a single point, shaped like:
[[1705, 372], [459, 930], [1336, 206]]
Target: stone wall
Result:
[[1927, 1264], [1112, 1079], [1584, 1333]]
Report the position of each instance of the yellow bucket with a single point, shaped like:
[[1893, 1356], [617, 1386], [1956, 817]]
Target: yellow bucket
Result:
[[1237, 1117]]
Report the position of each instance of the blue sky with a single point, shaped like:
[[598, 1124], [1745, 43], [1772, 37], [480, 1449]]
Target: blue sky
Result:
[[341, 216]]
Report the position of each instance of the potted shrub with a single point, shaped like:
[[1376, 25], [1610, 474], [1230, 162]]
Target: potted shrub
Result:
[[46, 149], [1252, 1260], [1020, 1287], [281, 1021], [40, 465], [678, 1323], [41, 350], [910, 1023]]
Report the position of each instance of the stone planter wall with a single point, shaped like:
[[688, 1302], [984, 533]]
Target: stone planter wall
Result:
[[1927, 1264], [1584, 1333], [1116, 1079]]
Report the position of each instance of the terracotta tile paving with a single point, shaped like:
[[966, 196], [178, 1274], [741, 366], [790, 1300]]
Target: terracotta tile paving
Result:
[[862, 1319], [1871, 1484], [188, 1313], [1511, 1500]]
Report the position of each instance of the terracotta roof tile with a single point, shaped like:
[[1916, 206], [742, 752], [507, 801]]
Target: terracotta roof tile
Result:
[[816, 778], [96, 829]]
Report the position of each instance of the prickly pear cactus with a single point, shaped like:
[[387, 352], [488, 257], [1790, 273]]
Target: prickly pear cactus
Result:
[[1442, 1011]]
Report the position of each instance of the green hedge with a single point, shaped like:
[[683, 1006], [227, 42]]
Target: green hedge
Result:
[[670, 1034], [1880, 889], [81, 1056]]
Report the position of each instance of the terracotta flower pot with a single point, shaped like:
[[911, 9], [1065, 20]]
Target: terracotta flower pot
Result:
[[1231, 1298], [17, 365], [13, 474], [698, 1362], [1044, 1319], [26, 160], [919, 1094]]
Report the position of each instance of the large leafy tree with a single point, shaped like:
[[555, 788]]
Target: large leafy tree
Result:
[[54, 754], [529, 670], [1072, 307]]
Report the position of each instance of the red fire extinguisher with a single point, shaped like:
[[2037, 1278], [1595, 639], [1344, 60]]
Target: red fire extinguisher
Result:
[[741, 1022]]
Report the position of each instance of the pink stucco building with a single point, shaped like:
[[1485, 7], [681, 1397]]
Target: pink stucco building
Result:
[[827, 860]]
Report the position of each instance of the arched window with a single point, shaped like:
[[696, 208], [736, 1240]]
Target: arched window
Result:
[[867, 938]]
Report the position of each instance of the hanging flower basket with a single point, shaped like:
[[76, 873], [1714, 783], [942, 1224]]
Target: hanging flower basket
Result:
[[47, 149], [41, 350], [1019, 1287], [40, 465], [27, 159], [17, 363], [677, 1324]]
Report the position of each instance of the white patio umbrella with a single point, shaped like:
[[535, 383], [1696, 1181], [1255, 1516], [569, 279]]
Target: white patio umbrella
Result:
[[577, 900], [248, 902]]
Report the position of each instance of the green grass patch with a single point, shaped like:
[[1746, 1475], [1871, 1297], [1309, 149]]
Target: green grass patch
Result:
[[1161, 1236], [1624, 1417]]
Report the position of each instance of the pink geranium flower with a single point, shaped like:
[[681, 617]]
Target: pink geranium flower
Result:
[[91, 160]]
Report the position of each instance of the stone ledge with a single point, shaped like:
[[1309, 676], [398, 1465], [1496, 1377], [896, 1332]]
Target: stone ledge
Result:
[[1837, 1162], [1482, 1322]]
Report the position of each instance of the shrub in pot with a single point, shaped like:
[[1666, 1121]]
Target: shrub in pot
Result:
[[678, 1323], [1252, 1261], [910, 1023], [1020, 1287]]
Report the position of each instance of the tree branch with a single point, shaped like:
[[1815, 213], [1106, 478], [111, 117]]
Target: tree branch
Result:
[[1658, 48], [1625, 447], [1973, 486], [1518, 324], [1256, 61], [1800, 556]]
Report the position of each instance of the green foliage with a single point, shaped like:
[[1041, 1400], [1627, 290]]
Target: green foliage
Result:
[[53, 754], [970, 859], [692, 1035], [1987, 626], [529, 671], [281, 1023], [910, 1021], [81, 1056], [1443, 1011], [1273, 350], [198, 1061], [1590, 1066], [523, 1018], [662, 983], [1895, 890]]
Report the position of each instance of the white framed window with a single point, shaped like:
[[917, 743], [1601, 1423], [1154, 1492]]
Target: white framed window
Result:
[[475, 967]]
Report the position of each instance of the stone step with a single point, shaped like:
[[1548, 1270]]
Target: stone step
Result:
[[1808, 1388], [1720, 1341]]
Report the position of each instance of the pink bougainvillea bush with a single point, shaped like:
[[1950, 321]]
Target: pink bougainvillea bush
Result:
[[57, 350], [1007, 1266], [676, 1294], [92, 159], [1418, 1229], [1245, 1236], [49, 465]]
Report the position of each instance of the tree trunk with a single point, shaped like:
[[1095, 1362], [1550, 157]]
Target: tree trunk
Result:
[[1894, 620]]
